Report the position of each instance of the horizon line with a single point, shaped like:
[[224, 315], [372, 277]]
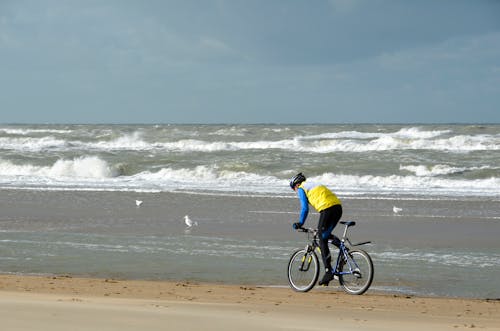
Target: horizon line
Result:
[[253, 123]]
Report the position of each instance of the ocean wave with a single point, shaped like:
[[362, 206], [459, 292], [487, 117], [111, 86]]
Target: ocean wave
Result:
[[411, 184], [459, 259], [132, 141], [33, 144], [452, 144], [230, 132], [441, 169], [412, 138], [90, 172], [80, 167], [209, 178], [24, 132], [83, 167], [404, 133], [318, 144], [253, 159]]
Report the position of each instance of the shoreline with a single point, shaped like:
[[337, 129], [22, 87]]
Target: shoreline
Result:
[[58, 302], [102, 234], [44, 283]]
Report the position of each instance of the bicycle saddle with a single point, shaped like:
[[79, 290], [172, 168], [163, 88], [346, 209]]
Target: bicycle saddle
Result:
[[348, 223]]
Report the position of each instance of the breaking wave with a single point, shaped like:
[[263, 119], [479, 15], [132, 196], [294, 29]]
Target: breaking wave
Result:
[[345, 141], [80, 167]]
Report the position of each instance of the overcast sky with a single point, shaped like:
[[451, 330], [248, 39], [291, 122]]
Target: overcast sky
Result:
[[253, 61]]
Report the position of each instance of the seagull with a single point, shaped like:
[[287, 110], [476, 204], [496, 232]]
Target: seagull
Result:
[[138, 203], [189, 222], [396, 210]]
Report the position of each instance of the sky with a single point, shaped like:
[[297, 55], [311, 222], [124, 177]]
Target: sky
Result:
[[250, 61]]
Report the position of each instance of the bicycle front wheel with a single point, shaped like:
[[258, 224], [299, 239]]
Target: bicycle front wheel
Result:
[[356, 274], [303, 270]]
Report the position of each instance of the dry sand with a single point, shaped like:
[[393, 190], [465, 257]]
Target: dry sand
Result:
[[68, 303]]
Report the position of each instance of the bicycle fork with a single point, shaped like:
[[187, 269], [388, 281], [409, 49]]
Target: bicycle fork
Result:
[[306, 259]]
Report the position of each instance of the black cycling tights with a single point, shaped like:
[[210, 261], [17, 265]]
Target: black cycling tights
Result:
[[328, 219]]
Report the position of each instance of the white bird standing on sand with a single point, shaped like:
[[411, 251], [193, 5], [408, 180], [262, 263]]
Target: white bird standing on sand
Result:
[[189, 222], [397, 210], [138, 203]]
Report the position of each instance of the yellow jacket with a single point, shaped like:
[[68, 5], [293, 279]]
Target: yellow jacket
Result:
[[319, 196]]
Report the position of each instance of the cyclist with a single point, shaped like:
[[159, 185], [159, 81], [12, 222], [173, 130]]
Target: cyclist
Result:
[[330, 212]]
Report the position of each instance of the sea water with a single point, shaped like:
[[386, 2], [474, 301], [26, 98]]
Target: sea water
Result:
[[68, 201], [451, 160]]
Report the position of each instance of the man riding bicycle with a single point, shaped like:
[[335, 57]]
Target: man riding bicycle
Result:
[[330, 212]]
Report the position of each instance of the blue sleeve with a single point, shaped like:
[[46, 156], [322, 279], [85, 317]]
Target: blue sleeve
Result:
[[305, 206]]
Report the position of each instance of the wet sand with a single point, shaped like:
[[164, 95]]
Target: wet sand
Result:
[[31, 220], [436, 222], [68, 303]]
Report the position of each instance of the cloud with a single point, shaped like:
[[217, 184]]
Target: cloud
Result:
[[464, 51], [280, 55]]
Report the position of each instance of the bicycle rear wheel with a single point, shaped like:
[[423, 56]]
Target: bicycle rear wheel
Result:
[[303, 270], [358, 272]]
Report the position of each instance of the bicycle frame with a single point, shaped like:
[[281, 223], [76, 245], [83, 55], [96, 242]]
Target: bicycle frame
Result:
[[343, 251], [353, 268], [343, 254]]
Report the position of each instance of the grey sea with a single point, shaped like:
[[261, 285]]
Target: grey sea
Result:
[[110, 201]]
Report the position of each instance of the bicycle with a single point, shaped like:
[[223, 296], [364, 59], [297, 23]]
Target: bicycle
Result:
[[354, 267]]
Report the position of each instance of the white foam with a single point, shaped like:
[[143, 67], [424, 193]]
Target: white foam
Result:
[[412, 138], [418, 133], [441, 169], [326, 143], [460, 259], [80, 167], [410, 184], [404, 133], [32, 144], [8, 168], [148, 149], [231, 131], [131, 141], [211, 178], [83, 167], [93, 172], [436, 170], [24, 132]]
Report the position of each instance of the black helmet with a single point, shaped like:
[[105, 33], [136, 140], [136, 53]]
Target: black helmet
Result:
[[297, 179]]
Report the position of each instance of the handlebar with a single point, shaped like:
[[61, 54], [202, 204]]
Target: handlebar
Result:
[[308, 230]]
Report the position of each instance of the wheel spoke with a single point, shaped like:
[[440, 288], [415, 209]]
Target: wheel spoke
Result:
[[357, 272], [303, 270]]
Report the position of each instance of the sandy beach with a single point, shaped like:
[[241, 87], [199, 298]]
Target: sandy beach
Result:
[[64, 303]]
